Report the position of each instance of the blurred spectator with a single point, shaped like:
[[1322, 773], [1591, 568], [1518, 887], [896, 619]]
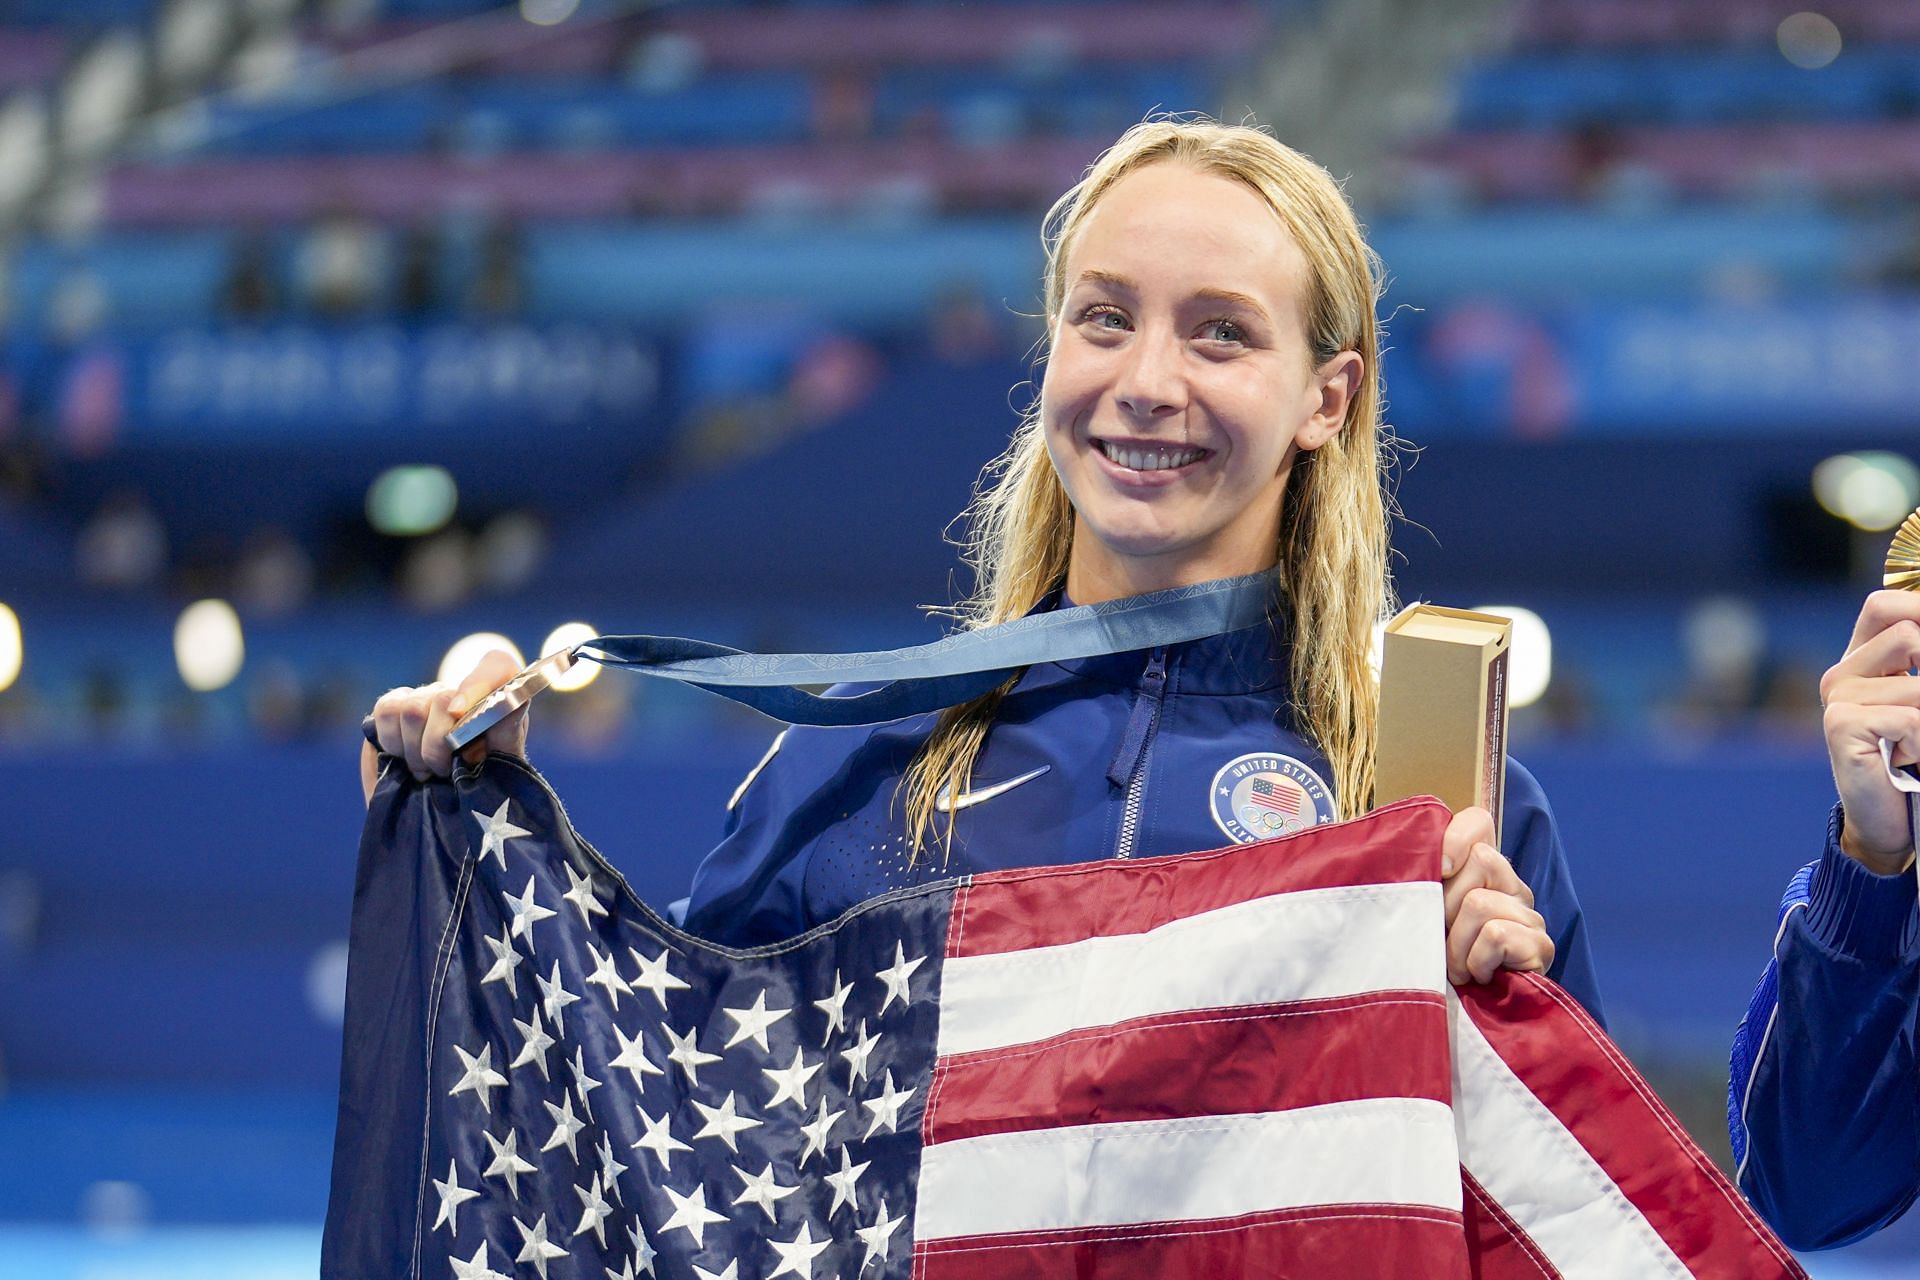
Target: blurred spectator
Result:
[[276, 702], [438, 571], [123, 547], [510, 551], [497, 291], [843, 107], [274, 575], [963, 328], [417, 288], [251, 293], [339, 265]]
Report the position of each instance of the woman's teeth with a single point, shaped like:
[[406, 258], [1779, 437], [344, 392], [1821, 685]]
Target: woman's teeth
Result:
[[1149, 459]]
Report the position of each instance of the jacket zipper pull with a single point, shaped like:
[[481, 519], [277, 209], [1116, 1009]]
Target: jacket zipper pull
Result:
[[1140, 724]]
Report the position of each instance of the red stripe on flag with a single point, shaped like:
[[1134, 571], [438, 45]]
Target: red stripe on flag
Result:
[[1205, 1062], [1013, 910], [1353, 1242], [1496, 1246], [1548, 1040]]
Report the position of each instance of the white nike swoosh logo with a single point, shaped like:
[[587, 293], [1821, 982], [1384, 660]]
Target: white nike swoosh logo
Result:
[[945, 802]]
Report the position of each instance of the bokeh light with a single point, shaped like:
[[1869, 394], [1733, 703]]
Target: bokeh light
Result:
[[208, 646], [1529, 656], [547, 13], [467, 651], [565, 636], [12, 651], [1872, 491], [406, 502], [1808, 40]]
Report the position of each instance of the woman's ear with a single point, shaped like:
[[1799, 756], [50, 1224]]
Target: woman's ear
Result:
[[1338, 380]]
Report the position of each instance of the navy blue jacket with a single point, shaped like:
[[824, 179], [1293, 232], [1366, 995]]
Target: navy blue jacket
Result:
[[1132, 755], [1823, 1099]]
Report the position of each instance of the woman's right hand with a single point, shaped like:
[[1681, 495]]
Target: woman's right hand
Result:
[[412, 723], [1869, 695]]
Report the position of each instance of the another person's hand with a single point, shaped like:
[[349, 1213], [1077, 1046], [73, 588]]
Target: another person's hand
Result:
[[1491, 923], [1869, 695], [412, 723]]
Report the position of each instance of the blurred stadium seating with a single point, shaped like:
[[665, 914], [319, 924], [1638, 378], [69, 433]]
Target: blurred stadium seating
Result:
[[712, 312]]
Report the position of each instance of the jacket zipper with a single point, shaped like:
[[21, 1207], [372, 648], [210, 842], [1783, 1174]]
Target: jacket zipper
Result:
[[1129, 768]]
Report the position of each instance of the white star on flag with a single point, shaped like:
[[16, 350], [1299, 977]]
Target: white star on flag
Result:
[[606, 976], [731, 1273], [657, 1138], [876, 1236], [857, 1056], [886, 1107], [566, 1126], [495, 831], [535, 1046], [594, 1211], [690, 1214], [581, 895], [722, 1122], [816, 1131], [480, 1076], [844, 1182], [506, 958], [797, 1254], [536, 1248], [526, 914], [583, 1084], [654, 976], [633, 1057], [835, 1007], [476, 1268], [685, 1055], [761, 1189], [507, 1162], [643, 1250], [751, 1023], [610, 1169], [790, 1082], [555, 998], [452, 1196], [896, 977]]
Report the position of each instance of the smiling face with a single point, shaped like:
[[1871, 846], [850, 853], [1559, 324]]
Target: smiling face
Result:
[[1180, 383]]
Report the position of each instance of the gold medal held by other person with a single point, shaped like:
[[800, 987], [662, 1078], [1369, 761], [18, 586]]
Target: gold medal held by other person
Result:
[[1903, 557]]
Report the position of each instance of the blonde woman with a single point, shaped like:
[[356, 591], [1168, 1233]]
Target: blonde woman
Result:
[[1210, 408]]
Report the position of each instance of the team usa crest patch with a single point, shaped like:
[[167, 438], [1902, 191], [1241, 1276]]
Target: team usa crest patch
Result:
[[1263, 795]]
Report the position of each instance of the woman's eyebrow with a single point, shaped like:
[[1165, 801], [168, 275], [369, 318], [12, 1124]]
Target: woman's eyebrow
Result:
[[1121, 284], [1232, 299]]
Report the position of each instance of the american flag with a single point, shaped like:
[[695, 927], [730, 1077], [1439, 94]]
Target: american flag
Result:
[[1231, 1063], [1284, 797]]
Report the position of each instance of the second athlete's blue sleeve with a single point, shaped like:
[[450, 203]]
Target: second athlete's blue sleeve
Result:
[[1823, 1100]]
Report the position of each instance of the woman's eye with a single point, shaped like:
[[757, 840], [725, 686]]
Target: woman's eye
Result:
[[1223, 331], [1104, 316]]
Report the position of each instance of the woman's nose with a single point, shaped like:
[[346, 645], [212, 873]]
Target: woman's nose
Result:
[[1151, 383]]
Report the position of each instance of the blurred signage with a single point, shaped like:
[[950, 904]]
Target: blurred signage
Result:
[[1700, 369], [423, 383]]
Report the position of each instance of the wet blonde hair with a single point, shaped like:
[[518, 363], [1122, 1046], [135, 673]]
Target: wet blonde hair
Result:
[[1332, 567]]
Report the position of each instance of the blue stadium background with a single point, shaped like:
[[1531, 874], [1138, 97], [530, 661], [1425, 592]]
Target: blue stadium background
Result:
[[711, 312]]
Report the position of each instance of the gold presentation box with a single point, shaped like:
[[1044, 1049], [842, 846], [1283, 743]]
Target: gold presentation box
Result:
[[1443, 709]]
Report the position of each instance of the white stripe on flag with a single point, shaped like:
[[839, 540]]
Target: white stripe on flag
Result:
[[1373, 1151], [1308, 945], [1537, 1171]]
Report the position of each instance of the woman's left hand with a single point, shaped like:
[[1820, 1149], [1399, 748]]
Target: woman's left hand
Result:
[[1491, 923]]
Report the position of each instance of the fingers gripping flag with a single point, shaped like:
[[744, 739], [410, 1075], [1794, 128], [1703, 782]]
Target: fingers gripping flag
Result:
[[1246, 1062]]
